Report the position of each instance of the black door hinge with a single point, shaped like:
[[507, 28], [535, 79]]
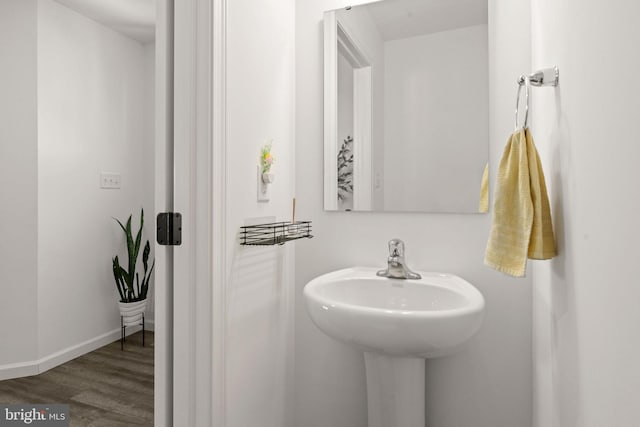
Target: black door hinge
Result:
[[169, 229]]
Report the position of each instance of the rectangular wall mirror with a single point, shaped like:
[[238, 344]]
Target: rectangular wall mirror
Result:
[[406, 114]]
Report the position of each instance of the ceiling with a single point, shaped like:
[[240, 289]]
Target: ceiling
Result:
[[133, 18], [397, 19]]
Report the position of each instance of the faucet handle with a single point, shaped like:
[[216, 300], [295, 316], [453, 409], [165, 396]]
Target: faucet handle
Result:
[[396, 265], [396, 247]]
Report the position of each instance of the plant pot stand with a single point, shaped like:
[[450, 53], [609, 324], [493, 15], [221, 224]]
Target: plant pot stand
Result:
[[131, 314], [123, 329]]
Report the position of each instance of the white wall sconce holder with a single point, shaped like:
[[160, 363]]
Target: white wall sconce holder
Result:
[[264, 180]]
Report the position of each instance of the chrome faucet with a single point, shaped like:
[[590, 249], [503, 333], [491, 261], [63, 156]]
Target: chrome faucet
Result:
[[396, 265]]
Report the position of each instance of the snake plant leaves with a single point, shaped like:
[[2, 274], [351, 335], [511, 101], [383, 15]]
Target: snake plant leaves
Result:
[[128, 281], [145, 256], [116, 276]]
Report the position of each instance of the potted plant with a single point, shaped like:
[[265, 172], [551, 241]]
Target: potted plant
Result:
[[133, 292], [345, 170]]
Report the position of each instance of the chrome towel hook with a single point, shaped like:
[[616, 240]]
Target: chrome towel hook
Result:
[[526, 84], [545, 77]]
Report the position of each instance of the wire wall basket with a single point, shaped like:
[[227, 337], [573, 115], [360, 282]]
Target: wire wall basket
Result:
[[275, 233]]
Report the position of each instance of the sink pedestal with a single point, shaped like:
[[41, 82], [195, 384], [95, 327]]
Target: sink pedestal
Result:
[[398, 323], [395, 390]]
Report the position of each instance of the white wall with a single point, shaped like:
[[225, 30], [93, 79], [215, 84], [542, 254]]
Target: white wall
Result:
[[586, 313], [487, 385], [19, 175], [92, 83], [436, 112], [260, 288]]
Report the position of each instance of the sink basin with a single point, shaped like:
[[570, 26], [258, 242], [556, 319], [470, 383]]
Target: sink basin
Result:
[[397, 323], [424, 318]]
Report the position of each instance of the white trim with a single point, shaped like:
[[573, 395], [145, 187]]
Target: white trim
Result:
[[199, 264], [219, 220], [330, 111], [35, 367], [163, 276], [362, 139], [19, 370], [354, 50], [185, 57]]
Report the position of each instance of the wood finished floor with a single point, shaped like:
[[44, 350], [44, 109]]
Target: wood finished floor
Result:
[[104, 388]]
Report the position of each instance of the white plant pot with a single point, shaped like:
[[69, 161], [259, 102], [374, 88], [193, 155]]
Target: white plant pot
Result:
[[132, 312]]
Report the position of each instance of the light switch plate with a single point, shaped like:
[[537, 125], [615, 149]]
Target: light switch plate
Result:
[[110, 180], [263, 189]]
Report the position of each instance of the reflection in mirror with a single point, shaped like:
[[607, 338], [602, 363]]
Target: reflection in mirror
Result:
[[406, 106]]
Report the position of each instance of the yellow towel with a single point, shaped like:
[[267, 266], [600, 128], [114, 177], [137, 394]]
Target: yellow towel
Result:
[[484, 191], [521, 214]]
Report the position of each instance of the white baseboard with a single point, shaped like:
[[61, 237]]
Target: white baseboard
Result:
[[35, 367], [18, 370]]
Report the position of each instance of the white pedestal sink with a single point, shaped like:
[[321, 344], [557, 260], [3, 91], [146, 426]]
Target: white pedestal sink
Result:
[[397, 323]]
